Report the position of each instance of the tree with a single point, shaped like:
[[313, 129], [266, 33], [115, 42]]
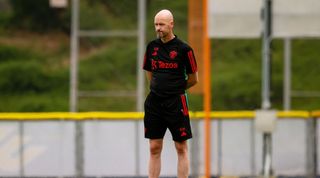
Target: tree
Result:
[[37, 15]]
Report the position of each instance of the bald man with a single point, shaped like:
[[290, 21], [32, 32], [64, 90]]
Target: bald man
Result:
[[171, 69]]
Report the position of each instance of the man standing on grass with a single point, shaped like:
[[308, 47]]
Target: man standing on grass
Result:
[[171, 69]]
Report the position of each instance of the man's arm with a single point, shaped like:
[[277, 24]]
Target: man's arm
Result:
[[149, 75], [192, 80]]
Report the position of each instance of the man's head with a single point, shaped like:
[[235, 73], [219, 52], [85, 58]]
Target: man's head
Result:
[[163, 23]]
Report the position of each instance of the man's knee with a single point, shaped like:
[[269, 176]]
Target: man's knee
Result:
[[181, 147], [155, 147]]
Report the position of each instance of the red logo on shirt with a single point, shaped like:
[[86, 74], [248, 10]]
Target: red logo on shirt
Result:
[[154, 64], [173, 54], [163, 65], [155, 51]]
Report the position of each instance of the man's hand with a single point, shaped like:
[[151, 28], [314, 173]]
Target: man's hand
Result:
[[192, 80]]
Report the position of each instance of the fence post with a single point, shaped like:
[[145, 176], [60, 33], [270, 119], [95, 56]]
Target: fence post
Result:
[[312, 147], [194, 149]]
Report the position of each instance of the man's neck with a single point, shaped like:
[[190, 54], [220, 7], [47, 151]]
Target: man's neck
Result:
[[170, 37]]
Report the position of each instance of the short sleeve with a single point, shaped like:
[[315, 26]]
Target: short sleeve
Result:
[[191, 64], [146, 61]]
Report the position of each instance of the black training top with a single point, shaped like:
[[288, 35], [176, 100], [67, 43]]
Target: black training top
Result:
[[169, 63]]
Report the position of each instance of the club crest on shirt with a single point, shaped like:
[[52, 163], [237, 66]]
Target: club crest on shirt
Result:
[[173, 54], [155, 51]]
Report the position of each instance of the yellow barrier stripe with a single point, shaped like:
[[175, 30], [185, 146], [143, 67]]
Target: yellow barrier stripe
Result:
[[227, 114], [32, 116], [71, 116], [293, 114], [139, 115], [315, 113], [115, 115], [251, 114]]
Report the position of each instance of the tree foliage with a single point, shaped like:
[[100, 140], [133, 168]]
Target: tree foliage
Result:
[[37, 15]]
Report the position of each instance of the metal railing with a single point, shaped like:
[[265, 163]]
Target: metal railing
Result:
[[43, 144]]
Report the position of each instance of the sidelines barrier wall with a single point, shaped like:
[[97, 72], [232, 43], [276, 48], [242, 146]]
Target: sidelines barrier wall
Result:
[[43, 144]]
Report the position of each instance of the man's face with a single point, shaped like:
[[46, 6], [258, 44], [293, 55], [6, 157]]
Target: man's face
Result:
[[162, 26]]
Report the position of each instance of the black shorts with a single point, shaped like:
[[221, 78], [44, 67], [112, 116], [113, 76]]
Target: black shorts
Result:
[[167, 112]]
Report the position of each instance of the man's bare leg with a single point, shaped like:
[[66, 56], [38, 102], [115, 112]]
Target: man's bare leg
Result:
[[155, 157], [183, 160]]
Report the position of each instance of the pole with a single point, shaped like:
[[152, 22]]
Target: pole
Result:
[[140, 75], [195, 30], [79, 150], [287, 75], [74, 56], [21, 149], [266, 104], [266, 55], [311, 152], [207, 90]]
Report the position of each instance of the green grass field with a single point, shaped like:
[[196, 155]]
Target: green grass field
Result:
[[34, 65]]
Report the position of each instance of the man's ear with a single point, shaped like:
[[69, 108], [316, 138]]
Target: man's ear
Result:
[[172, 23]]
